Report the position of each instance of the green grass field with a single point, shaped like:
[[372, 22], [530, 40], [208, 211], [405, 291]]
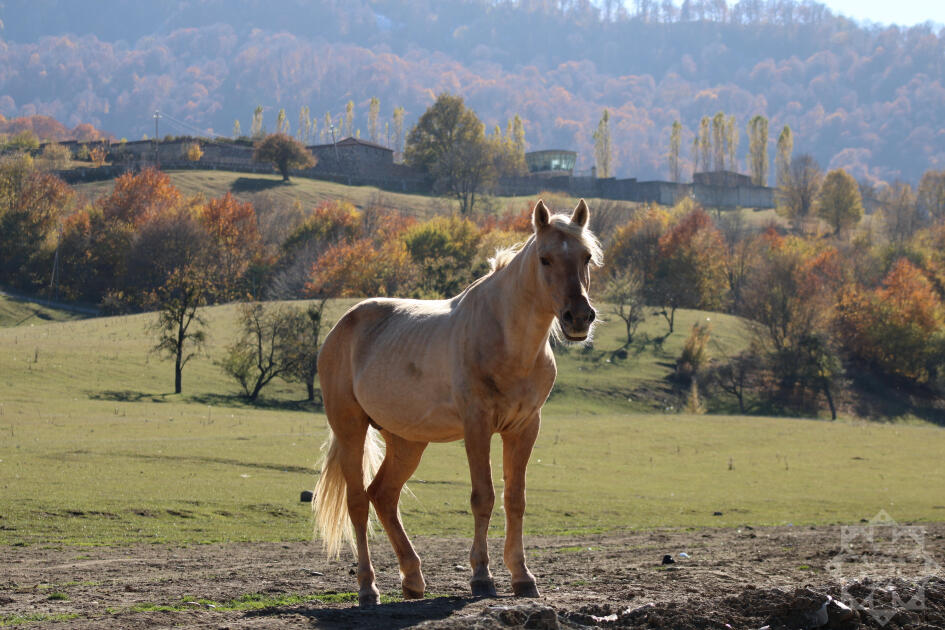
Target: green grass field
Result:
[[94, 450]]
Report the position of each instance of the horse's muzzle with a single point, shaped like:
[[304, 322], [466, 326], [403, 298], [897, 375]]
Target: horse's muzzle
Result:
[[576, 321]]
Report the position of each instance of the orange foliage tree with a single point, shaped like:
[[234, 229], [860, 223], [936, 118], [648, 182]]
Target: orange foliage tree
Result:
[[899, 326]]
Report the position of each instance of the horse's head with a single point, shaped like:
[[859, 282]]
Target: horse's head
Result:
[[566, 249]]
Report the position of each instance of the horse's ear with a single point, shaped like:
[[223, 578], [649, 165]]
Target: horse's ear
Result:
[[581, 214], [541, 217]]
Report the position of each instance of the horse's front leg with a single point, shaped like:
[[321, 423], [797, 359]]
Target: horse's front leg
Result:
[[482, 500], [516, 449]]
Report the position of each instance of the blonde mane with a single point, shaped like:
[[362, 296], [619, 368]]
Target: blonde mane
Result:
[[504, 255]]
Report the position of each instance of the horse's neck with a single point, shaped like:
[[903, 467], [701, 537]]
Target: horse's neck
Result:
[[519, 309]]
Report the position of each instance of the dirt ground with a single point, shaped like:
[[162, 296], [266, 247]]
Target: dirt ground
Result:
[[783, 577]]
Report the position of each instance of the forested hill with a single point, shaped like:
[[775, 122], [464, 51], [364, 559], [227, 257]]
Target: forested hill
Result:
[[867, 98]]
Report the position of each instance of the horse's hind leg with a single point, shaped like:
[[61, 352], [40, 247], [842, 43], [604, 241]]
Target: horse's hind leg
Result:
[[400, 462], [350, 424]]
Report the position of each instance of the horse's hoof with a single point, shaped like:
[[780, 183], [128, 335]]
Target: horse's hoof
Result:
[[368, 600], [483, 588], [525, 589], [410, 593]]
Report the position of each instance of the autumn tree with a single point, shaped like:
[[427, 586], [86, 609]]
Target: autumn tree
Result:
[[304, 131], [623, 291], [31, 206], [782, 158], [718, 141], [233, 230], [192, 152], [675, 143], [449, 143], [302, 353], [789, 301], [257, 130], [602, 149], [690, 267], [704, 143], [137, 196], [282, 123], [731, 142], [362, 269], [899, 327], [178, 325], [374, 110], [931, 197], [900, 212], [758, 150], [237, 131], [398, 134], [264, 350], [284, 153], [797, 196], [54, 157], [839, 202], [349, 119], [443, 248]]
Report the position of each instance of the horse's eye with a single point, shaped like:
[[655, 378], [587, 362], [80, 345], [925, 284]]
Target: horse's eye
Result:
[[545, 262]]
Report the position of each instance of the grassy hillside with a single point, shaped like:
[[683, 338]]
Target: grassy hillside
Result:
[[95, 449], [310, 192], [16, 312]]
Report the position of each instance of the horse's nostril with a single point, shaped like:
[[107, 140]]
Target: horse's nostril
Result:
[[591, 316], [568, 317]]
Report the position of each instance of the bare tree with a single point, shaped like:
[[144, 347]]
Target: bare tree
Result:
[[797, 196]]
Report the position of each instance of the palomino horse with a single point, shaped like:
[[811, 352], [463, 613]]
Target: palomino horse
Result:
[[422, 371]]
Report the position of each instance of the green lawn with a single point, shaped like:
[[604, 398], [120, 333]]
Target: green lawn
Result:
[[94, 450]]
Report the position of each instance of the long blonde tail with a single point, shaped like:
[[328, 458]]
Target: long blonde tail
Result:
[[330, 503]]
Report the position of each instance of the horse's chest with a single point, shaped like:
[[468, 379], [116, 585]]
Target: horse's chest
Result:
[[510, 400]]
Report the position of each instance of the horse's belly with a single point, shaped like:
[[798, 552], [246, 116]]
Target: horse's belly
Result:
[[420, 414]]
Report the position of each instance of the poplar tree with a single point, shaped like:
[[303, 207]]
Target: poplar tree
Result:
[[282, 123], [398, 133], [349, 119], [305, 125], [731, 142], [602, 145], [256, 131], [373, 111], [237, 132], [705, 143], [675, 140], [758, 150], [718, 141], [782, 158]]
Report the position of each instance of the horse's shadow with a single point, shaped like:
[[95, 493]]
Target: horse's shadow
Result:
[[394, 615]]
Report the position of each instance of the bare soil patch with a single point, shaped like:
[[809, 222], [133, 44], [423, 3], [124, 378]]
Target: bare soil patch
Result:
[[732, 578]]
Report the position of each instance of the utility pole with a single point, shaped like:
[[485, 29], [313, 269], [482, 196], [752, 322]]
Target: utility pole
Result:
[[157, 140]]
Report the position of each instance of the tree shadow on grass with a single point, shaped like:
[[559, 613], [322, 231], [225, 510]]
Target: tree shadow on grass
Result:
[[127, 395], [215, 400], [238, 400], [394, 615], [254, 184]]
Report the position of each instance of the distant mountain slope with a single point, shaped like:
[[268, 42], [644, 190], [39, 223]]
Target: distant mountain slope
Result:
[[868, 99]]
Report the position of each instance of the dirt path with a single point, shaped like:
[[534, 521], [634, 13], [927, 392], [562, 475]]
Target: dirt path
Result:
[[746, 578]]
